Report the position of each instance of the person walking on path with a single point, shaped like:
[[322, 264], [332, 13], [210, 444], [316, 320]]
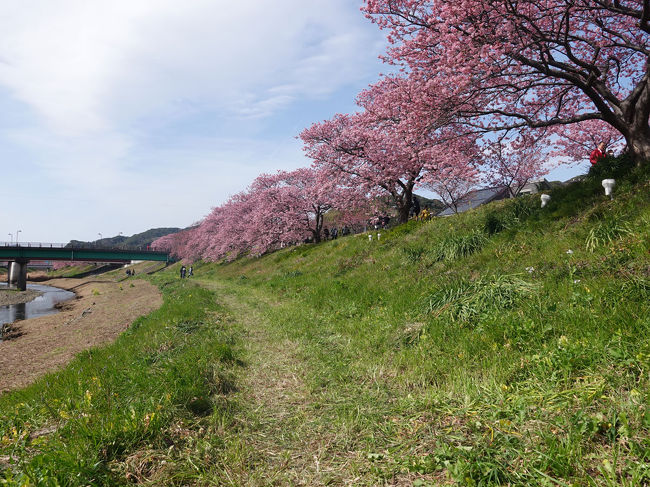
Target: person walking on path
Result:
[[597, 154], [182, 272]]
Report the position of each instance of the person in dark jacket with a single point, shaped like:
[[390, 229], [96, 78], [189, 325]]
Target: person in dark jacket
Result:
[[416, 206]]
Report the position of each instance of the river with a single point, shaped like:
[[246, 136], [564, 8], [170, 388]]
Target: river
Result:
[[40, 306]]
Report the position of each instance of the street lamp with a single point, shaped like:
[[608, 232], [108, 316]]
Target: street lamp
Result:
[[17, 232], [11, 238]]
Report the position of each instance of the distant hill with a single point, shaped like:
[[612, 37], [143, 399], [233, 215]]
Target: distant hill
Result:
[[139, 240], [434, 205]]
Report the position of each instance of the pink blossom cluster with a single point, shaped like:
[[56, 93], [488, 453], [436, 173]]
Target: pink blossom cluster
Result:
[[564, 67], [401, 138], [277, 210]]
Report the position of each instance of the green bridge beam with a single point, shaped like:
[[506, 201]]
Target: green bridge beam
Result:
[[80, 254]]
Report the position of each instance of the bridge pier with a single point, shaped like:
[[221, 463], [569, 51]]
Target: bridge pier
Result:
[[18, 274]]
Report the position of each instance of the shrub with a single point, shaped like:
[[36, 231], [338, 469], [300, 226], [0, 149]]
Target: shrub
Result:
[[611, 167]]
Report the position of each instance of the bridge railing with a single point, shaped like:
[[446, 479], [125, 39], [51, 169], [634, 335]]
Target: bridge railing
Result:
[[52, 245], [34, 244]]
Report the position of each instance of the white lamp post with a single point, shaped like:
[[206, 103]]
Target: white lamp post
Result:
[[17, 232], [11, 238], [609, 184], [545, 199]]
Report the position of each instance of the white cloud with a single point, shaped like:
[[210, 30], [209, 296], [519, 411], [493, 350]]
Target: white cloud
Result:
[[89, 66], [123, 103]]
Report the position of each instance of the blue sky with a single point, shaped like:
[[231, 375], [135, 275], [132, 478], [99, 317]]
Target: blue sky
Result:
[[122, 116]]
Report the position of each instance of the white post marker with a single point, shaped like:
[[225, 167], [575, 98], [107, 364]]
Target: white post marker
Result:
[[545, 199], [378, 236], [609, 184], [370, 237]]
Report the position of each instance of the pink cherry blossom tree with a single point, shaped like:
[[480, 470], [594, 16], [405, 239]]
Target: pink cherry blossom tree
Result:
[[531, 63], [277, 210], [401, 136], [513, 163], [453, 183]]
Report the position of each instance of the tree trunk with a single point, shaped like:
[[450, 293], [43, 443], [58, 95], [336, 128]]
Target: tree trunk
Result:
[[636, 129], [319, 225], [404, 205], [404, 211], [638, 145]]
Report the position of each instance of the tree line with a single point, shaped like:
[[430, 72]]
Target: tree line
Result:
[[484, 92]]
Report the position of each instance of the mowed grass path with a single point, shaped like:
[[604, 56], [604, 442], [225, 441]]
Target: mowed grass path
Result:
[[308, 414], [285, 435]]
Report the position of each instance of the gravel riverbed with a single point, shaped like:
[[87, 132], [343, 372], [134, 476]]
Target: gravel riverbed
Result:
[[12, 296]]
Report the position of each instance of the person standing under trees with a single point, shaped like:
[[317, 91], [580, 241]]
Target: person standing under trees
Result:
[[597, 154], [416, 206], [182, 272]]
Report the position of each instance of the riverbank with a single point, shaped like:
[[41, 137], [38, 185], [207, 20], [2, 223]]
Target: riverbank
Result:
[[99, 313], [13, 296]]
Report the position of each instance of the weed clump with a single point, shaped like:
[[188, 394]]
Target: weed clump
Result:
[[606, 231], [456, 246], [509, 216], [413, 253], [467, 300]]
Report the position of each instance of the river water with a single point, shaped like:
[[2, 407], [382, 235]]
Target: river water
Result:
[[39, 306]]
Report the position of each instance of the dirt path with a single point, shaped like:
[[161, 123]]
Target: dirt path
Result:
[[100, 312], [277, 413]]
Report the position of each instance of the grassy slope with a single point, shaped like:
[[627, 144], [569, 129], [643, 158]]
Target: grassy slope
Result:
[[104, 419], [508, 345], [471, 350]]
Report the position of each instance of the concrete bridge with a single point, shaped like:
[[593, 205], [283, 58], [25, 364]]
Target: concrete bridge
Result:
[[18, 256]]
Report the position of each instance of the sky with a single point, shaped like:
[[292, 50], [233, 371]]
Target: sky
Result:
[[127, 115]]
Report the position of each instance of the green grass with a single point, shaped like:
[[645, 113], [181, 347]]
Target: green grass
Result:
[[71, 271], [508, 345], [504, 346], [98, 421]]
